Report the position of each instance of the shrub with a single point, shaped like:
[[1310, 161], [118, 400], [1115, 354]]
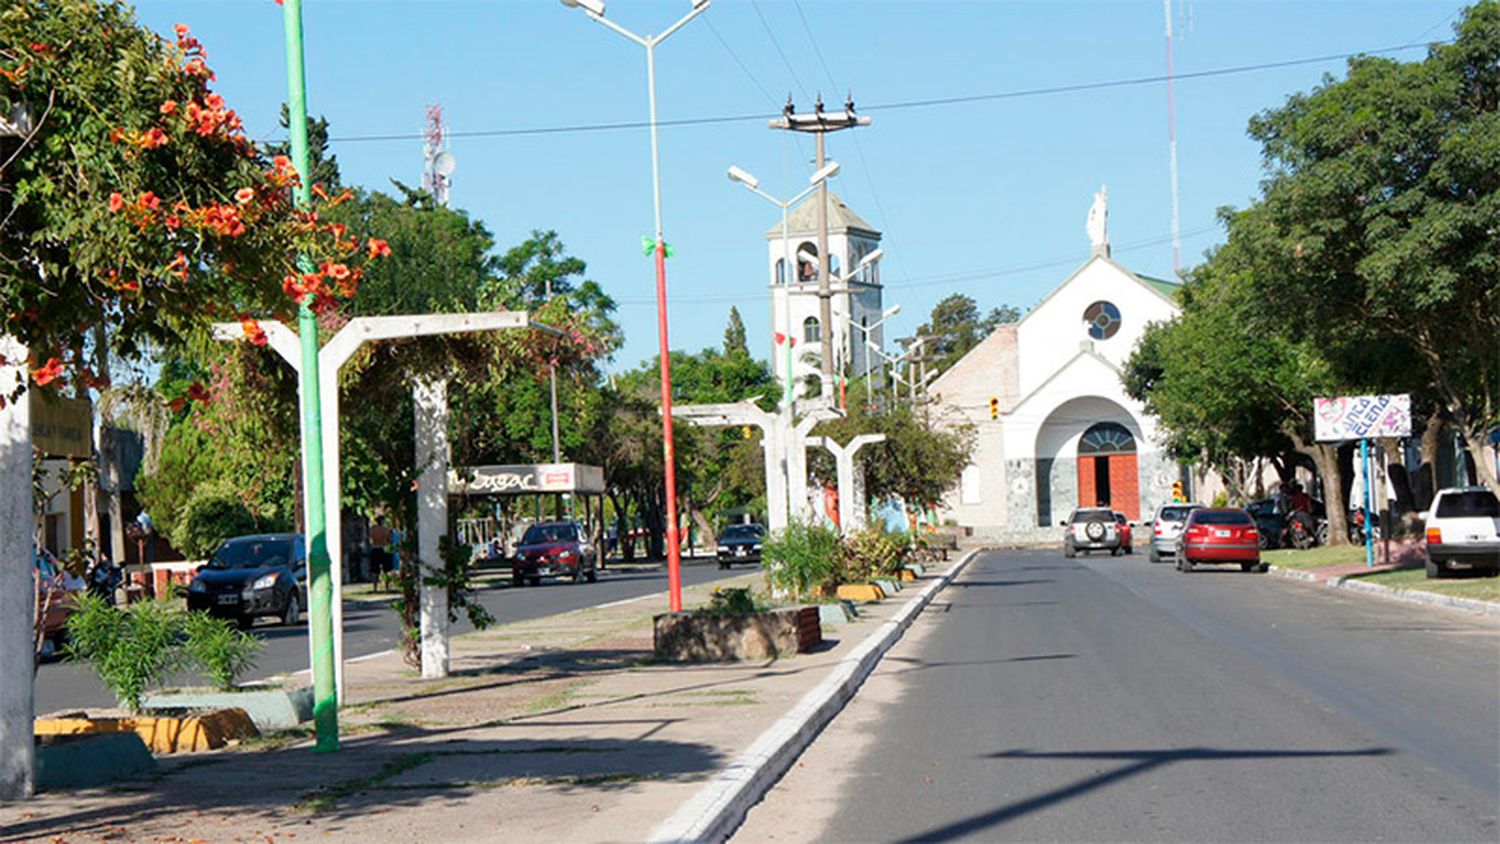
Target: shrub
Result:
[[801, 557], [131, 650], [1222, 499], [219, 649], [733, 600], [213, 514], [872, 552]]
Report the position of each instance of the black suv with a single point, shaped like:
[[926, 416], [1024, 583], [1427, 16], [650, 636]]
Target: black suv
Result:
[[252, 576]]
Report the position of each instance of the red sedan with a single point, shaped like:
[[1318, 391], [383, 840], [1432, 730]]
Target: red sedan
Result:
[[1219, 535]]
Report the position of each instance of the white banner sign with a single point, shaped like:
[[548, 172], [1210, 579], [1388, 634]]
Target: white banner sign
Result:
[[1361, 417]]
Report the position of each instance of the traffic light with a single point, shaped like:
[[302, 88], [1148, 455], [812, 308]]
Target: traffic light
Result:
[[748, 431], [994, 408], [1177, 496]]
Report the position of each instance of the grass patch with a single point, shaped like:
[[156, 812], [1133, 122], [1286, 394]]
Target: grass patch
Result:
[[556, 700], [276, 739], [327, 798], [1314, 558], [1478, 588]]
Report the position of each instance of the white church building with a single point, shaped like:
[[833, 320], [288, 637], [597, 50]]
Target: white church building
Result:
[[856, 302], [1066, 434]]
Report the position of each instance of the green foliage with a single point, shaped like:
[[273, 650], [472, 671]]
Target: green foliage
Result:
[[1221, 499], [733, 600], [872, 552], [220, 650], [801, 557], [956, 326], [130, 650], [734, 334], [455, 575], [213, 514]]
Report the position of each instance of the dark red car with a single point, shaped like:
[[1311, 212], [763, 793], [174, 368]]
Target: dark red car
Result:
[[554, 549], [1122, 524], [1216, 535]]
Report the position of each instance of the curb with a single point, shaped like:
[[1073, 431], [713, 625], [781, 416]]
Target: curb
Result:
[[718, 809], [1410, 596]]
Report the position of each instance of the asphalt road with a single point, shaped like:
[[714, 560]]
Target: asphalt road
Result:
[[1109, 699], [371, 628]]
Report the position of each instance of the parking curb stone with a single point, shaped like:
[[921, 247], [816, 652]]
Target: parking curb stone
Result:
[[1410, 596], [718, 808]]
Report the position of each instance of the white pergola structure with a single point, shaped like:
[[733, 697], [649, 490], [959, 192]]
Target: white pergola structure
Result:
[[429, 395], [851, 494], [784, 441]]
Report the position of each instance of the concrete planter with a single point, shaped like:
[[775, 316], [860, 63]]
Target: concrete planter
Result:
[[90, 761], [687, 636], [184, 733], [270, 708], [861, 593]]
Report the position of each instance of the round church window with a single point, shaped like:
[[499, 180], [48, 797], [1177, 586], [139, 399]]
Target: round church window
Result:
[[1102, 319]]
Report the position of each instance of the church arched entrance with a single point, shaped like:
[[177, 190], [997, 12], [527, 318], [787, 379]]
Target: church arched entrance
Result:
[[1108, 474]]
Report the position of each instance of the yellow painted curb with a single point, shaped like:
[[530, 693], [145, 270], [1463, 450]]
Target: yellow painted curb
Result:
[[906, 575], [184, 734], [863, 592]]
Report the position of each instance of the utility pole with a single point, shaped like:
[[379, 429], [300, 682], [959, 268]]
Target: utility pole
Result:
[[820, 123], [552, 376]]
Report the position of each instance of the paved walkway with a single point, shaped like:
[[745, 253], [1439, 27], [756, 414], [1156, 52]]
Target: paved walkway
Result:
[[558, 729]]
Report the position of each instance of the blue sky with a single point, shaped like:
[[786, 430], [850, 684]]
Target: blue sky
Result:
[[986, 198]]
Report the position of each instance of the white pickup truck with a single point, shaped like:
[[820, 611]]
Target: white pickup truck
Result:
[[1463, 529]]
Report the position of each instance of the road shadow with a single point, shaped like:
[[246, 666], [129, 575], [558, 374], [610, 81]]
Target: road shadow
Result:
[[968, 583], [1137, 762]]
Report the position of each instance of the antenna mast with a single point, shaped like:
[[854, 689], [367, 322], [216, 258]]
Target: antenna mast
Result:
[[439, 163], [1172, 149]]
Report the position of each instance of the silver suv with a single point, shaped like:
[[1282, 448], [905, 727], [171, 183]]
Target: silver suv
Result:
[[1166, 527], [1092, 529], [1463, 528]]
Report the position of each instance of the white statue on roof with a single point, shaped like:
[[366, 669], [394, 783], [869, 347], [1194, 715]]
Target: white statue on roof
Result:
[[1098, 224]]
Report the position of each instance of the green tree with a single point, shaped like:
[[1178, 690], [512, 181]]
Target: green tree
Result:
[[734, 334], [956, 326], [1377, 218]]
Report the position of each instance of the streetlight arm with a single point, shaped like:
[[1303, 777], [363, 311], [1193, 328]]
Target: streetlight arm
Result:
[[644, 42], [697, 10]]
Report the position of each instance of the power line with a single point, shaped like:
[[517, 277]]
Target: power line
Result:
[[775, 42], [893, 106], [956, 277], [730, 50]]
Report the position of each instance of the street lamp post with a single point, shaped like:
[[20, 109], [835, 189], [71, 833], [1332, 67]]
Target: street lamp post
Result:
[[753, 185], [320, 582], [595, 10], [867, 329]]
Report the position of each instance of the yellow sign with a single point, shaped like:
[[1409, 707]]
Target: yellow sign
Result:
[[61, 427]]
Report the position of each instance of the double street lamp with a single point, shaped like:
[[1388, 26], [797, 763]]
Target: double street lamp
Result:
[[788, 272], [595, 10]]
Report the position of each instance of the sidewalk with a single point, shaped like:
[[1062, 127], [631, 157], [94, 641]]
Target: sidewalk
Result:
[[557, 729]]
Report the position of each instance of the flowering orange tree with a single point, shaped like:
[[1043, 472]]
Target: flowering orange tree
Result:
[[136, 200]]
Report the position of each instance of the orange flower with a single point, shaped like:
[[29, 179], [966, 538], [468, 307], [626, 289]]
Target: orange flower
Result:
[[147, 201], [169, 107], [153, 138], [181, 29], [292, 287], [116, 202], [379, 248], [337, 272], [244, 195], [172, 221], [197, 392], [116, 135], [253, 332], [177, 404], [48, 373], [214, 101], [178, 267]]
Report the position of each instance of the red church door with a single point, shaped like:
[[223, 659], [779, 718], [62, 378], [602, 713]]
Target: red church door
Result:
[[1108, 472]]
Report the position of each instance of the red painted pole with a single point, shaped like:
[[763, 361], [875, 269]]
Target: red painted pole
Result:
[[669, 455]]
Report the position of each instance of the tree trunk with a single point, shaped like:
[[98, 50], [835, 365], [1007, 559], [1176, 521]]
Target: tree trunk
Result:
[[1326, 458], [1432, 436], [706, 533], [1395, 457], [1480, 466]]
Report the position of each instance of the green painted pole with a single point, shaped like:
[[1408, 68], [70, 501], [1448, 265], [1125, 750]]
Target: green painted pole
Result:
[[320, 586]]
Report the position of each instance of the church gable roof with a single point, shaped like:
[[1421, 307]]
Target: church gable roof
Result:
[[803, 219], [1161, 288]]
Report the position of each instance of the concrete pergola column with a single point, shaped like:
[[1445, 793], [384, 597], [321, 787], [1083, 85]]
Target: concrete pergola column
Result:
[[331, 359], [430, 412], [851, 517], [17, 589]]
